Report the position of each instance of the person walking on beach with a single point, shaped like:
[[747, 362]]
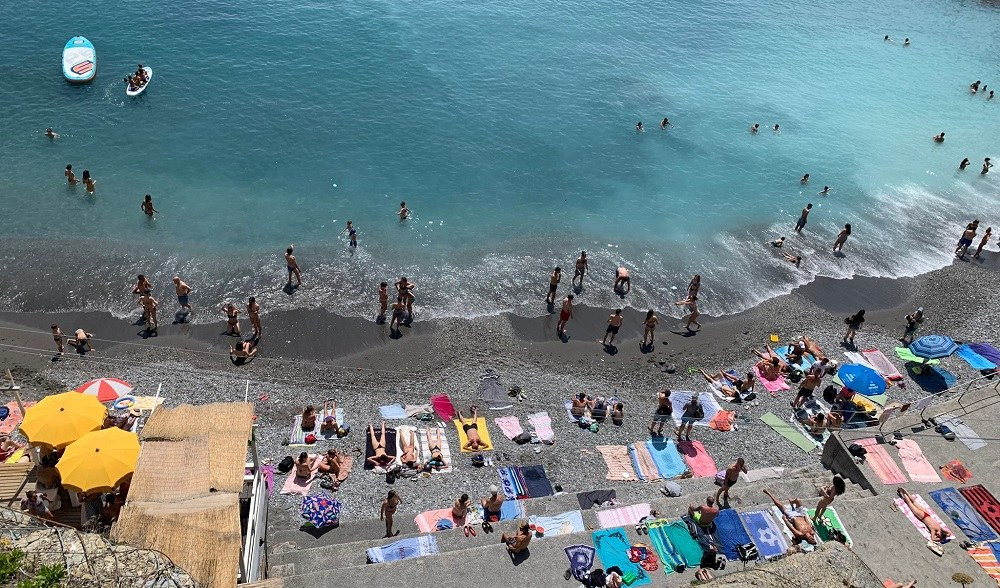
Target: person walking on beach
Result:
[[388, 509], [853, 323], [553, 285], [232, 319], [803, 218], [404, 212], [89, 182], [614, 323], [383, 300], [838, 245], [149, 305], [650, 328], [292, 265], [913, 321], [987, 164], [694, 286], [182, 290], [730, 476], [70, 176], [565, 314], [253, 311], [57, 336], [982, 244], [664, 413], [147, 206], [965, 241], [81, 339], [692, 307], [693, 412], [623, 283], [581, 268]]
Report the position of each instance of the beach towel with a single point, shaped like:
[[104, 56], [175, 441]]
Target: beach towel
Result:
[[828, 523], [569, 412], [765, 533], [956, 471], [759, 474], [392, 412], [772, 386], [443, 407], [858, 358], [268, 471], [612, 547], [697, 459], [493, 393], [330, 434], [298, 436], [642, 461], [427, 521], [511, 483], [617, 459], [622, 516], [671, 555], [415, 410], [484, 436], [730, 533], [905, 354], [786, 430], [560, 524], [915, 463], [542, 424], [989, 352], [965, 516], [803, 364], [932, 379], [589, 500], [390, 445], [509, 426], [536, 482], [666, 457], [678, 398], [403, 549], [686, 549], [881, 364], [723, 420], [296, 485], [984, 503], [901, 505], [581, 558], [987, 559], [881, 463], [963, 432], [425, 449], [14, 417], [975, 361], [510, 510]]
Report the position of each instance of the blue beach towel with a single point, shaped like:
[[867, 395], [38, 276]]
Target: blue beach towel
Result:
[[765, 533], [612, 547], [635, 463], [730, 533], [805, 364], [965, 516], [932, 378], [511, 483], [560, 524], [975, 361], [988, 351], [536, 483], [403, 549], [392, 412], [668, 460]]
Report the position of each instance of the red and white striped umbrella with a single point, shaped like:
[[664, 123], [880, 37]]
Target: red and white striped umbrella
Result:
[[106, 389]]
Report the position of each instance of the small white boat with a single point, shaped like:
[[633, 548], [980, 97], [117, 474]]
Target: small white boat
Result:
[[79, 61], [130, 91]]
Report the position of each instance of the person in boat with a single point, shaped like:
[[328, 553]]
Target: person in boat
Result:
[[140, 73]]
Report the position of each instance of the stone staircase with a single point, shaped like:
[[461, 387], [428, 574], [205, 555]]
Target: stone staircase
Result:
[[340, 553]]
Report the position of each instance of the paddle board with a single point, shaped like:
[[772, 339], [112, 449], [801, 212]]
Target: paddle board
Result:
[[79, 61], [142, 88]]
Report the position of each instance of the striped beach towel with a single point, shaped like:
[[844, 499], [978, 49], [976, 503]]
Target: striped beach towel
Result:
[[542, 423], [403, 549], [512, 483], [623, 516], [298, 436], [619, 464], [987, 560], [425, 450], [642, 461]]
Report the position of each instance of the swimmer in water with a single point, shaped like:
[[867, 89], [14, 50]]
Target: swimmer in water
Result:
[[778, 242], [824, 191], [404, 212], [664, 123], [805, 179], [974, 86], [887, 39], [70, 176], [147, 206], [965, 163], [796, 259], [777, 128], [54, 135], [906, 42], [987, 164], [638, 127], [990, 97], [89, 182], [754, 128], [939, 138]]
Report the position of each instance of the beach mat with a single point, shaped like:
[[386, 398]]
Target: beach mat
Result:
[[881, 463], [425, 450], [956, 471], [512, 483], [14, 417], [764, 532], [986, 350], [915, 462], [619, 465], [536, 482], [730, 533], [905, 354], [963, 432], [901, 505], [786, 430], [612, 547], [932, 379], [589, 500], [759, 474], [581, 558], [642, 462], [390, 444], [509, 426], [666, 457], [541, 422], [560, 524], [493, 393], [297, 435], [772, 386], [824, 530], [392, 412], [986, 557], [674, 545], [965, 516], [678, 398], [484, 436], [623, 516], [443, 407], [409, 548], [881, 364], [975, 360], [697, 459], [984, 503]]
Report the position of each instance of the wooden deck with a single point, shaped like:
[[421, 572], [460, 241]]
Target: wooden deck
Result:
[[15, 481]]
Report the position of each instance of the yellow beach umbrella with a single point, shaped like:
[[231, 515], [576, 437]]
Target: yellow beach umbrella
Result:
[[99, 461], [61, 419]]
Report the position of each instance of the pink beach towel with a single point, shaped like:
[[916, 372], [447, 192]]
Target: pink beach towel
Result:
[[916, 522], [297, 485], [624, 516], [698, 460], [881, 363], [772, 386], [619, 464], [443, 407], [509, 426], [427, 521], [916, 463], [542, 424], [645, 465], [879, 460]]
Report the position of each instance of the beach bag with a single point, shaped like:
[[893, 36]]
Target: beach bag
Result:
[[286, 464], [310, 439], [795, 376], [857, 451], [720, 478], [478, 460], [747, 552], [522, 438], [671, 489]]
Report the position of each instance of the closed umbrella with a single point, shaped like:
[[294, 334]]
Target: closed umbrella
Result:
[[106, 389], [61, 419], [320, 510], [933, 346], [99, 461], [862, 379]]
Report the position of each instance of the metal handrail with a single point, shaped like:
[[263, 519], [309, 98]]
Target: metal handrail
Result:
[[948, 395]]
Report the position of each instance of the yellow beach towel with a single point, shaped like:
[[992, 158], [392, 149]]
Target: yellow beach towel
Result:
[[484, 435]]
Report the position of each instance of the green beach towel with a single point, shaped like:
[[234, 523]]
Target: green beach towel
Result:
[[823, 530], [905, 354], [788, 431], [674, 545]]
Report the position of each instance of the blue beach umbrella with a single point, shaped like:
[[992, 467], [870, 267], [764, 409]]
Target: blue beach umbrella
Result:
[[320, 510], [933, 346], [862, 379]]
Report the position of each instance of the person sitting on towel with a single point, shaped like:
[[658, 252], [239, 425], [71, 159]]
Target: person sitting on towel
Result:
[[7, 447], [331, 464], [471, 429], [461, 507], [618, 414], [580, 405], [705, 514], [834, 420], [517, 542], [492, 505], [816, 424], [304, 465], [599, 410], [722, 382], [938, 534], [771, 364], [309, 418], [796, 519], [796, 351]]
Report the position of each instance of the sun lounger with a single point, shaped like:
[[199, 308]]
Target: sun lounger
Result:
[[484, 436]]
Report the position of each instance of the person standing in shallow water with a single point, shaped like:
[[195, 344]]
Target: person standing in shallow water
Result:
[[89, 182], [292, 265], [553, 285], [383, 300], [983, 243], [838, 245], [965, 163], [987, 164], [70, 176], [581, 268], [404, 212], [253, 311], [147, 206], [802, 218]]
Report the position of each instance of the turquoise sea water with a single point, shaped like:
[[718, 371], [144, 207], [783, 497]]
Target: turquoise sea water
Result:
[[508, 127]]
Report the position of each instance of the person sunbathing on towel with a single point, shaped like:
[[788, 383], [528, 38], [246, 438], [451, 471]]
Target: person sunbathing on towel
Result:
[[409, 455], [309, 418], [770, 356], [329, 422], [8, 447], [471, 429], [304, 465], [813, 348], [434, 442], [519, 541], [938, 535], [796, 519], [722, 382], [380, 457], [770, 369], [331, 463]]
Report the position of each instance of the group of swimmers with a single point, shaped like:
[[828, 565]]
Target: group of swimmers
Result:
[[975, 88], [987, 164], [88, 181]]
